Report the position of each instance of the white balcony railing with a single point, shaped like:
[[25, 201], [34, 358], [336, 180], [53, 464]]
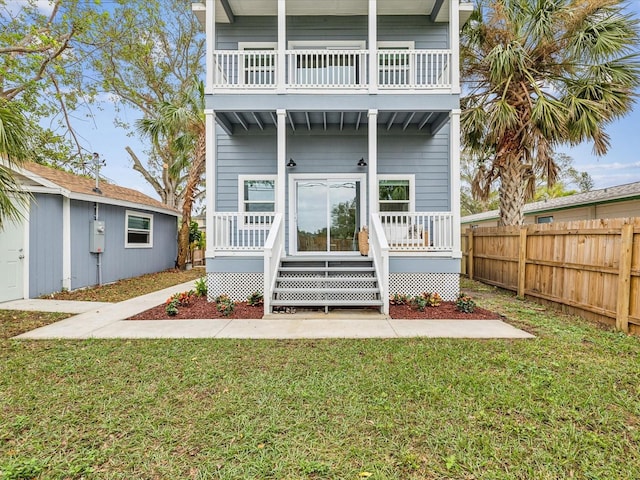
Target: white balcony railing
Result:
[[240, 232], [345, 69], [414, 68], [418, 231]]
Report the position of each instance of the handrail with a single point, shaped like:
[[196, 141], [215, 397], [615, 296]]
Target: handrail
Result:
[[273, 251], [380, 254]]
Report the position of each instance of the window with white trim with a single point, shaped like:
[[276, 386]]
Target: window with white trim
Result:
[[259, 64], [138, 230], [256, 196], [396, 193]]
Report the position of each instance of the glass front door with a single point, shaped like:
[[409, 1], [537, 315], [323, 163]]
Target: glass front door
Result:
[[327, 215]]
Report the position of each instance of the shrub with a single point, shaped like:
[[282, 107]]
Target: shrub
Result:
[[255, 299], [399, 299], [181, 299], [201, 287], [426, 299], [225, 305], [465, 304]]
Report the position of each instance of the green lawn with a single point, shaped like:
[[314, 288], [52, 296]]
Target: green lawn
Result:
[[565, 405]]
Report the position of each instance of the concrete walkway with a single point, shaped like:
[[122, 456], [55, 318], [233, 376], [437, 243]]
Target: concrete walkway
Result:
[[107, 321]]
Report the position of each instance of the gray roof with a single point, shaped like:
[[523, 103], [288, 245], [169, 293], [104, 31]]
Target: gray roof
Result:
[[609, 194]]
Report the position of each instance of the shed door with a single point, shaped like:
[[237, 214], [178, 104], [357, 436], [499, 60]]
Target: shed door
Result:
[[11, 261]]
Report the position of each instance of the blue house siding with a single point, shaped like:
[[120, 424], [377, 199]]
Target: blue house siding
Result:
[[420, 29], [45, 245], [117, 261]]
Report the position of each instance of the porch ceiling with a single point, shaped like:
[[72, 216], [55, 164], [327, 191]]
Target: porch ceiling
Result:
[[428, 122], [227, 10]]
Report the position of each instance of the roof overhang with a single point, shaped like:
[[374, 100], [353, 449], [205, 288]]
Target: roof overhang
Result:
[[227, 10]]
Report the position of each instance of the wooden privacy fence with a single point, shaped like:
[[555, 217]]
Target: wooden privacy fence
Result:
[[591, 267]]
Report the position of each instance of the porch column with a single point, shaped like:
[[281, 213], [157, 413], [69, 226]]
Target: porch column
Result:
[[454, 155], [373, 162], [210, 32], [281, 161], [454, 44], [373, 46], [282, 45], [210, 178]]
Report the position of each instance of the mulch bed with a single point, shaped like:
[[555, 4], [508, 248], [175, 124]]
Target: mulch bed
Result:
[[201, 309]]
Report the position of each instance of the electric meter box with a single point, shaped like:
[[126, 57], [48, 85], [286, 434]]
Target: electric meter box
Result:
[[96, 239]]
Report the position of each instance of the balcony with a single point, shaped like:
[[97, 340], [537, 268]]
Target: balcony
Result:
[[332, 69]]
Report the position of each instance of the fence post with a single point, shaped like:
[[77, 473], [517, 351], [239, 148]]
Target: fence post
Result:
[[470, 253], [624, 278], [522, 262]]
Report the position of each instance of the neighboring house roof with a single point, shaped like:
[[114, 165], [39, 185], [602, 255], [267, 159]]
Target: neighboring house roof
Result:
[[605, 195], [81, 188]]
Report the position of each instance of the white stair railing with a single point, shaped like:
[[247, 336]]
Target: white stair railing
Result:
[[379, 250], [273, 252]]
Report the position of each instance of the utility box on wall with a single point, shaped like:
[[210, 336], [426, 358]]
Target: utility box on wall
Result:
[[96, 239]]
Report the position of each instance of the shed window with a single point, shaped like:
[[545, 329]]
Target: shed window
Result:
[[138, 230], [545, 219]]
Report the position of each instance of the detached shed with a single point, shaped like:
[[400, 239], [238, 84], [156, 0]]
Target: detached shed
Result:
[[73, 236]]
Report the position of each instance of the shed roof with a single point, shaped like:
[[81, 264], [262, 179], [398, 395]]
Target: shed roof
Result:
[[82, 188], [604, 195]]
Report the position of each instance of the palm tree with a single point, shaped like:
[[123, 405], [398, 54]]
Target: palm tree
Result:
[[13, 152], [180, 127], [538, 74]]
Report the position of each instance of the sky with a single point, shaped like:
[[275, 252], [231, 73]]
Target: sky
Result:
[[619, 166]]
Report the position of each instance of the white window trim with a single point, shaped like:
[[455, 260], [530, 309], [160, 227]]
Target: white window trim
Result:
[[258, 45], [408, 45], [412, 187], [134, 213], [327, 45], [241, 201], [399, 45]]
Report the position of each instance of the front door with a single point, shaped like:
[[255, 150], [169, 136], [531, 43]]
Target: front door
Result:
[[11, 261], [327, 214]]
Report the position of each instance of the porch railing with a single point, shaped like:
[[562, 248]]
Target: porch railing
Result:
[[380, 255], [414, 68], [312, 69], [418, 231], [240, 232], [273, 252], [327, 68]]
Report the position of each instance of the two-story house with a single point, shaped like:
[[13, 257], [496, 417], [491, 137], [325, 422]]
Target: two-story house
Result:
[[325, 117]]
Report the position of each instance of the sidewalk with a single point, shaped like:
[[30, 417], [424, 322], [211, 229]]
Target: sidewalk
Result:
[[108, 321]]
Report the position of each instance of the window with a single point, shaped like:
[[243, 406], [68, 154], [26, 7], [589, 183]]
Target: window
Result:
[[257, 195], [138, 230], [332, 63], [396, 193], [545, 219]]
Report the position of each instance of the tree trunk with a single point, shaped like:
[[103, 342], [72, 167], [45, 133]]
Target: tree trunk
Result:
[[193, 179], [513, 193]]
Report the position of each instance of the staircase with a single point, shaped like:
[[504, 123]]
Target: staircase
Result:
[[326, 281]]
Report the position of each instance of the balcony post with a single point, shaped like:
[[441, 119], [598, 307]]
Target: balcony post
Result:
[[454, 45], [282, 46], [210, 34], [210, 178], [373, 162], [454, 154], [281, 161], [373, 46]]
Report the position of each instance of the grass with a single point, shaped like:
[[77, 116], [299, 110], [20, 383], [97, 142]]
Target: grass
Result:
[[565, 405], [15, 322], [131, 287]]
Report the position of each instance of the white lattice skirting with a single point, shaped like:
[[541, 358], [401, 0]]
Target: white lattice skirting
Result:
[[237, 285], [446, 284]]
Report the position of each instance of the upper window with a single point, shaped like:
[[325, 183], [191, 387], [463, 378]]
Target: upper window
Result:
[[395, 63], [138, 230], [545, 219], [396, 193], [256, 195], [259, 64]]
